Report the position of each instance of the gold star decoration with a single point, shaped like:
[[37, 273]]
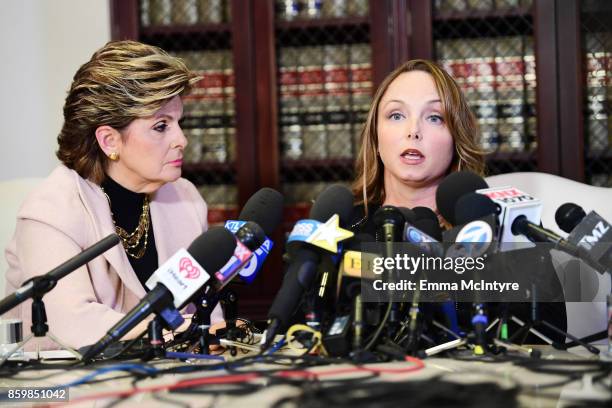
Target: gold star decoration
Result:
[[328, 235]]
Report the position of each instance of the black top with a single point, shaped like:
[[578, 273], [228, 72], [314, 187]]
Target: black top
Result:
[[126, 207], [359, 223]]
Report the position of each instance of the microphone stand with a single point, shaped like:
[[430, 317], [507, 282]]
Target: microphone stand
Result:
[[200, 322], [155, 332], [536, 322], [40, 285], [201, 319], [229, 303]]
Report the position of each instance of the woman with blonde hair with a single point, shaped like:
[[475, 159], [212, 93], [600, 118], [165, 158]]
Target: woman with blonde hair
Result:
[[121, 150], [419, 129]]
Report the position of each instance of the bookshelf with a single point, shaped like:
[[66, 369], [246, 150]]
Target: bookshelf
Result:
[[537, 74]]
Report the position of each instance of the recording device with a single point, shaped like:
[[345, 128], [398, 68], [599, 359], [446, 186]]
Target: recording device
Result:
[[452, 188], [177, 280], [568, 216], [535, 233], [472, 206], [389, 222], [427, 222], [40, 285], [514, 204], [474, 236], [421, 234], [265, 208], [305, 249], [347, 329], [475, 233], [589, 231], [249, 237], [259, 217]]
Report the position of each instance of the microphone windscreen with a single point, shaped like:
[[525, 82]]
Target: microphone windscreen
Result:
[[473, 206], [251, 235], [335, 199], [409, 215], [213, 248], [264, 208], [454, 186], [430, 227], [424, 213], [388, 214], [568, 216]]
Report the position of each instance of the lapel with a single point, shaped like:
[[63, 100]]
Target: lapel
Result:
[[175, 222], [97, 206], [168, 222]]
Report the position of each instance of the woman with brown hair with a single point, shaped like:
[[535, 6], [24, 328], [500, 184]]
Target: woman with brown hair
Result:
[[121, 150], [419, 129]]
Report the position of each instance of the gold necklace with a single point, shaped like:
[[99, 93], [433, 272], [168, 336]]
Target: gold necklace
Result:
[[131, 241]]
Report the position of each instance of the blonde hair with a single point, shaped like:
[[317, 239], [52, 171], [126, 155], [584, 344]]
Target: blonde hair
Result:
[[123, 81], [369, 184]]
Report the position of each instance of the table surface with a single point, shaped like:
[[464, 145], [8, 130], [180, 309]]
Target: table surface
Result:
[[535, 387]]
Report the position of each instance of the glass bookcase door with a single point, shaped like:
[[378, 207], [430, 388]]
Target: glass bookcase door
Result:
[[488, 47], [596, 35], [199, 32], [324, 82]]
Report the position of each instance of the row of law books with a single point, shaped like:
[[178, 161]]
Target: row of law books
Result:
[[289, 10], [450, 6], [498, 78], [190, 12], [155, 13], [324, 96], [598, 93], [208, 111], [222, 202]]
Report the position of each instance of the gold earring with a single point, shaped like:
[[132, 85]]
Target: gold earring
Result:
[[114, 156]]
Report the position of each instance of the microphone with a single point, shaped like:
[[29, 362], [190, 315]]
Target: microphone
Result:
[[535, 233], [519, 219], [472, 206], [474, 236], [177, 280], [568, 216], [452, 188], [428, 221], [249, 237], [265, 208], [513, 203], [591, 232], [306, 245], [389, 222], [355, 265], [40, 285], [259, 217], [425, 234], [475, 231]]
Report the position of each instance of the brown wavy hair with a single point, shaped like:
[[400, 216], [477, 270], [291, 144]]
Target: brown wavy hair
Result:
[[368, 185], [123, 81]]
